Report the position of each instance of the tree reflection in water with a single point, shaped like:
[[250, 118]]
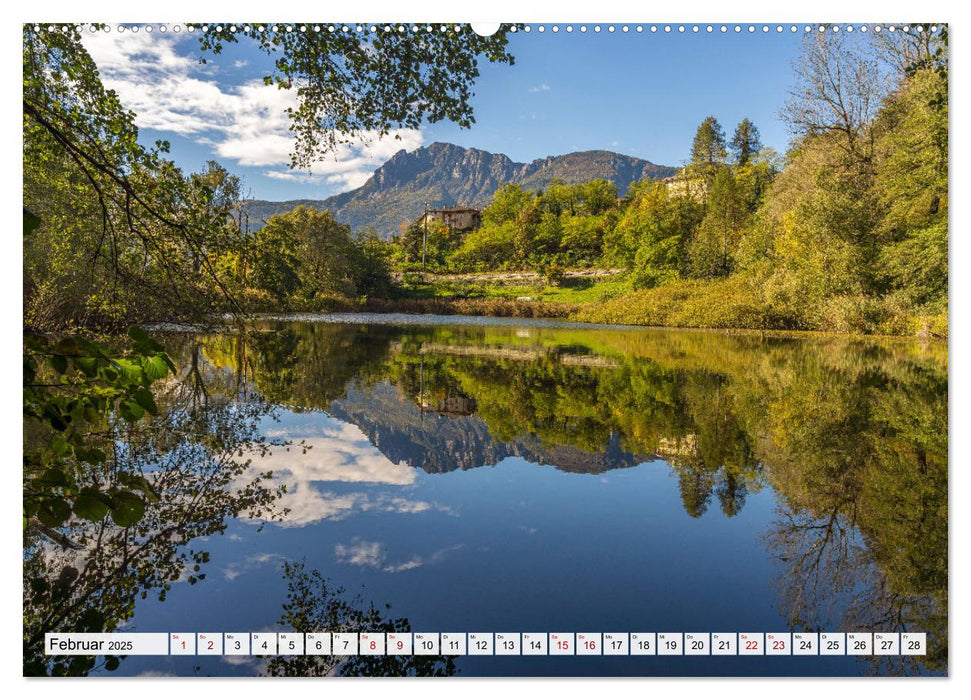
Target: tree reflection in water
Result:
[[90, 578], [313, 603]]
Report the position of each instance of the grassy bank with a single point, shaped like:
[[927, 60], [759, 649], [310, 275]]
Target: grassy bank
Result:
[[733, 303], [473, 307], [738, 303], [570, 290], [436, 298]]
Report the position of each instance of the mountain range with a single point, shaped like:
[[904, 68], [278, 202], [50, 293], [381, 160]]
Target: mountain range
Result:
[[443, 174]]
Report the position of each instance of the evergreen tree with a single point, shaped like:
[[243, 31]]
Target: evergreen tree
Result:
[[708, 149], [745, 142]]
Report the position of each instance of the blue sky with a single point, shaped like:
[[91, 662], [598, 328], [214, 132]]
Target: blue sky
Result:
[[641, 94]]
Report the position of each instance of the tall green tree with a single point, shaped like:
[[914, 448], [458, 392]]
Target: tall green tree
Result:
[[651, 234], [746, 142], [911, 183], [708, 149], [323, 254], [373, 264], [275, 262], [713, 244]]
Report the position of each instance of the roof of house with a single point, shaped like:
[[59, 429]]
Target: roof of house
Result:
[[454, 210]]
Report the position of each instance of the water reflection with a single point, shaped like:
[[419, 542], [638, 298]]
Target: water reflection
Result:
[[88, 576], [849, 438], [314, 603], [851, 435]]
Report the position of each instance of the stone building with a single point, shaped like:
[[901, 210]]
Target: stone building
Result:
[[455, 218]]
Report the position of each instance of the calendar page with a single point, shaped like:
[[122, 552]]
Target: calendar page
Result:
[[467, 349]]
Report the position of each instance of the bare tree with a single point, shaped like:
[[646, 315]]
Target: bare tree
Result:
[[912, 47], [839, 88]]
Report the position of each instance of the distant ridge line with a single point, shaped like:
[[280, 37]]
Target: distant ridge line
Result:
[[447, 175]]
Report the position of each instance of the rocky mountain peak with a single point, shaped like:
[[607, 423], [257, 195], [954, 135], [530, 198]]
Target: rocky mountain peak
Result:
[[445, 174]]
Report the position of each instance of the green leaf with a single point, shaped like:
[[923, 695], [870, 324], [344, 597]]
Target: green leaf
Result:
[[128, 509], [90, 505], [131, 411], [138, 334], [53, 511], [145, 399], [54, 477], [67, 346], [59, 363], [60, 446], [139, 483], [92, 455], [155, 368], [88, 365], [130, 371]]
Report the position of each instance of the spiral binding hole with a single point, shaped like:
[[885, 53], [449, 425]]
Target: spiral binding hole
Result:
[[417, 29]]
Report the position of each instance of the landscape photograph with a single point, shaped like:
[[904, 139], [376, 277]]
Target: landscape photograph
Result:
[[569, 349]]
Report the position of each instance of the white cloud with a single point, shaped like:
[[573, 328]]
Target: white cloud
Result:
[[373, 555], [161, 80], [337, 453], [342, 453], [412, 563], [292, 176], [265, 558], [360, 553], [234, 571], [233, 660], [540, 88]]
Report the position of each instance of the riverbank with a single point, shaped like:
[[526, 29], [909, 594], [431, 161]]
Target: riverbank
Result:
[[503, 308], [721, 304], [726, 304], [738, 303]]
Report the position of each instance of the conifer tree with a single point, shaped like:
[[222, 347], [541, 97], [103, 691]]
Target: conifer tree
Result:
[[745, 142]]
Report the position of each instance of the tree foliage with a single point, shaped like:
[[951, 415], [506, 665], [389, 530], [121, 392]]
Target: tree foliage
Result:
[[849, 234], [565, 225], [351, 85], [75, 391], [307, 255], [124, 235], [708, 150], [746, 142]]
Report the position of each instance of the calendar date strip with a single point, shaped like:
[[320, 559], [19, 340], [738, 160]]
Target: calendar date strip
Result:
[[488, 643]]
